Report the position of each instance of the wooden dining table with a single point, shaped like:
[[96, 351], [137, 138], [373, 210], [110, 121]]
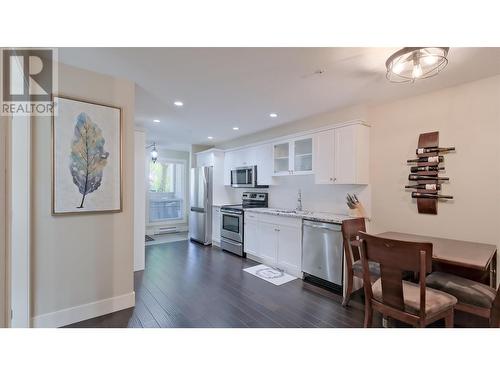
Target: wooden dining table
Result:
[[477, 261]]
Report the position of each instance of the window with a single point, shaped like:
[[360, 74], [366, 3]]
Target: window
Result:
[[167, 190]]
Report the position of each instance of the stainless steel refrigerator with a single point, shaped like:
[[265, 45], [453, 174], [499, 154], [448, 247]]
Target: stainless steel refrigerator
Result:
[[200, 213]]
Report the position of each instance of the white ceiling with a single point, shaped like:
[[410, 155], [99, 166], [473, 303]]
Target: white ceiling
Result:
[[226, 87]]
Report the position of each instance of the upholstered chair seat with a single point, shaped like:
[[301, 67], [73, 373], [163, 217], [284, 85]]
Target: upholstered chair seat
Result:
[[436, 301], [374, 269], [465, 290]]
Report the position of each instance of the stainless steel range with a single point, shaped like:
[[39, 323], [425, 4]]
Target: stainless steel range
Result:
[[232, 221]]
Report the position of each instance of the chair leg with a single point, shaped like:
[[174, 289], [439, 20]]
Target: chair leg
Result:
[[348, 292], [494, 318], [368, 315], [448, 320]]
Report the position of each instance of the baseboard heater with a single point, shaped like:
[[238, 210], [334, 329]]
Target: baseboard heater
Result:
[[165, 230]]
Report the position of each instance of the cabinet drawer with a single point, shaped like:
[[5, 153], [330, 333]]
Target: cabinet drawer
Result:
[[281, 220], [252, 216]]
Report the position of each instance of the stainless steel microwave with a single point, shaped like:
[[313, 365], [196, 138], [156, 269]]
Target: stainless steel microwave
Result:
[[245, 177]]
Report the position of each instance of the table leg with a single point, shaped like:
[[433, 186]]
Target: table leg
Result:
[[493, 271]]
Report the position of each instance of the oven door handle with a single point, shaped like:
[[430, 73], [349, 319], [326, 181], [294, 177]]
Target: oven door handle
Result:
[[231, 214], [232, 242]]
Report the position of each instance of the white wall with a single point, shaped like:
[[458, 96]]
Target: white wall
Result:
[[3, 220], [139, 200], [467, 117], [82, 265]]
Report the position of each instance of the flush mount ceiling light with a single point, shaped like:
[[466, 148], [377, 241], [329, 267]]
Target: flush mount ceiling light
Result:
[[412, 63], [273, 115], [236, 128], [178, 103], [156, 121], [210, 137]]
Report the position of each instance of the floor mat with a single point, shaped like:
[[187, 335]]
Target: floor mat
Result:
[[270, 274]]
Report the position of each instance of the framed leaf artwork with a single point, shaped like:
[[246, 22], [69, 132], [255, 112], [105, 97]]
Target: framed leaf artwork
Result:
[[86, 157]]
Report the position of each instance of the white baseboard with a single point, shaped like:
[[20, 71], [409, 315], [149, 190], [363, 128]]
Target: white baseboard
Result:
[[83, 312]]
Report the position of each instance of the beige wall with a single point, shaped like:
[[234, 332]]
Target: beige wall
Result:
[[3, 221], [81, 259], [467, 117]]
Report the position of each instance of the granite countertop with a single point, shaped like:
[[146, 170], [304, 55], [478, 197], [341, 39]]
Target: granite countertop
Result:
[[327, 217]]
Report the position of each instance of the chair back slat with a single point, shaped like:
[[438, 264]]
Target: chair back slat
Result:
[[396, 257], [392, 286], [350, 229]]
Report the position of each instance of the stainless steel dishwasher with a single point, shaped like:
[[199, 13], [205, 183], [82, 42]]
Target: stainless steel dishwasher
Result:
[[322, 253]]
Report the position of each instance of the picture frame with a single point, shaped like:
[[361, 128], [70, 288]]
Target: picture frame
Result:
[[80, 184]]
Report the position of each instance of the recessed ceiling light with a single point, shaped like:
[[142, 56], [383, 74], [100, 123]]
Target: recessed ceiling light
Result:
[[210, 137], [157, 121], [236, 128], [273, 115], [178, 103]]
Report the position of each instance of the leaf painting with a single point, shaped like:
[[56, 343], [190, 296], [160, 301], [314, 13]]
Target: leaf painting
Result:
[[88, 158]]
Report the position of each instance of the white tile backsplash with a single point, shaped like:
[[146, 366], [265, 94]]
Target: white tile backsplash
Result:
[[318, 198]]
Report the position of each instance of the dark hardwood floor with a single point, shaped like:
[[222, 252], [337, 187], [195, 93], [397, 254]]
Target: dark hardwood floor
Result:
[[189, 285]]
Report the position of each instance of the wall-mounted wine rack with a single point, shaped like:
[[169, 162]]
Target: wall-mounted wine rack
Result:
[[425, 173]]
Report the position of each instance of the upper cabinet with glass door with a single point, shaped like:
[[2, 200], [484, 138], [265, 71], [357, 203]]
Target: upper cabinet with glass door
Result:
[[293, 157], [281, 157], [303, 156]]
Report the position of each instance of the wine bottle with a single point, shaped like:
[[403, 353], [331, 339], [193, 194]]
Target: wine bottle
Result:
[[416, 194], [425, 150], [417, 177], [424, 186], [427, 159], [426, 169]]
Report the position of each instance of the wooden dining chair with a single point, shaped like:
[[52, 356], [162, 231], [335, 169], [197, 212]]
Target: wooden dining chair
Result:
[[473, 297], [411, 303], [350, 229]]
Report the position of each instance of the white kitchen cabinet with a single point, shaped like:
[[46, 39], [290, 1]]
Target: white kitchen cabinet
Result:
[[216, 217], [268, 242], [294, 156], [205, 159], [281, 158], [251, 234], [229, 160], [275, 241], [260, 156], [302, 155], [263, 155], [341, 155], [324, 157], [290, 249]]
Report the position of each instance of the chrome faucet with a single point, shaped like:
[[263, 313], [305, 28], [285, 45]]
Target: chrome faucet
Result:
[[299, 201]]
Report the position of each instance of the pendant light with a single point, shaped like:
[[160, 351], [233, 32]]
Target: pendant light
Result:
[[153, 153], [414, 63]]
